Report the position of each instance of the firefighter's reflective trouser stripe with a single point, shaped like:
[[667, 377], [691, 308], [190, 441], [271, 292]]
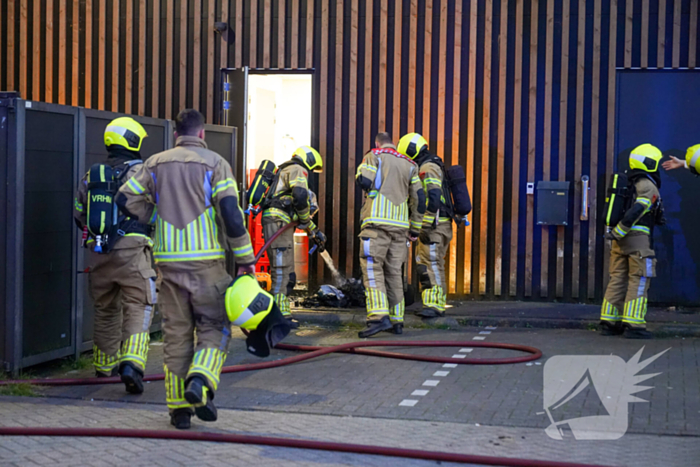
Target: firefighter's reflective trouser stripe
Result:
[[281, 255], [382, 255], [430, 256], [192, 302], [630, 277], [122, 286], [175, 391]]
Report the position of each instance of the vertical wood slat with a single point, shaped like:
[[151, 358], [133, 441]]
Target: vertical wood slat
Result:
[[442, 81], [427, 68], [36, 59], [196, 90], [102, 52], [501, 147], [610, 159], [239, 39], [253, 38], [155, 57], [352, 140], [645, 34], [531, 146], [62, 47], [456, 101], [337, 120], [116, 87], [563, 114], [367, 106], [396, 107], [88, 54], [267, 21], [11, 45], [676, 34], [661, 51], [310, 34], [182, 100], [48, 62], [593, 176], [629, 23], [224, 60], [294, 54], [323, 123], [471, 130], [485, 146], [412, 51], [383, 39], [547, 149], [211, 69], [517, 115], [580, 72], [129, 57], [142, 34], [169, 28], [23, 36], [693, 33], [281, 36]]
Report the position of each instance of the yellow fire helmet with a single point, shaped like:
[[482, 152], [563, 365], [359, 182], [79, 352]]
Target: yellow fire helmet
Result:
[[692, 158], [645, 157], [310, 158], [411, 145], [125, 132], [255, 310]]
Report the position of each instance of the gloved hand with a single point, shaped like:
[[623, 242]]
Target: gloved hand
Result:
[[245, 269], [610, 236], [413, 236], [320, 239]]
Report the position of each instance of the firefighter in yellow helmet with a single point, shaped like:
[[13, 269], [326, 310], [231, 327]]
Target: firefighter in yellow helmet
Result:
[[632, 258], [692, 161], [289, 200], [190, 194], [392, 213], [436, 232], [122, 281]]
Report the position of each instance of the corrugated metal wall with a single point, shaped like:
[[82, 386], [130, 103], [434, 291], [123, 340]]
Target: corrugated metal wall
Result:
[[513, 90]]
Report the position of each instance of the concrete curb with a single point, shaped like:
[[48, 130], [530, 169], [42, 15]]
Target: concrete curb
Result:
[[330, 317]]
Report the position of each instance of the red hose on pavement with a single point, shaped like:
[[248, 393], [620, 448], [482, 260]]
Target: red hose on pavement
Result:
[[287, 443]]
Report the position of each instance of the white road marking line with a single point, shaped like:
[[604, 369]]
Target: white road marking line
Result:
[[491, 327], [478, 338], [420, 392], [408, 403], [459, 356], [431, 382], [485, 332], [441, 373], [528, 364], [449, 365], [466, 350]]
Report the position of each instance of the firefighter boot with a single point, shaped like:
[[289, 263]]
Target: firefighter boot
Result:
[[637, 333], [375, 326], [398, 328], [132, 378], [428, 312], [115, 372], [608, 328], [180, 418], [199, 395]]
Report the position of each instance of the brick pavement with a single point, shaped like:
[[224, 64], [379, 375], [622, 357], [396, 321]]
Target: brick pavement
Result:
[[490, 410]]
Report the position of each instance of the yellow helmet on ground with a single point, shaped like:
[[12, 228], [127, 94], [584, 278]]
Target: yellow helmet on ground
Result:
[[645, 157], [125, 132], [412, 144], [692, 158], [309, 157], [255, 311]]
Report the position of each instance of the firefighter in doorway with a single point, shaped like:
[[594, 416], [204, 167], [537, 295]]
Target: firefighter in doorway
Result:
[[122, 281], [392, 213], [289, 200], [632, 258]]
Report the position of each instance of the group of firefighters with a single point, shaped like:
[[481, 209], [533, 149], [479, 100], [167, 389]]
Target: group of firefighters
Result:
[[180, 210]]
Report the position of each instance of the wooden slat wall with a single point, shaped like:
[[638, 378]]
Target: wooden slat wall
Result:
[[514, 90]]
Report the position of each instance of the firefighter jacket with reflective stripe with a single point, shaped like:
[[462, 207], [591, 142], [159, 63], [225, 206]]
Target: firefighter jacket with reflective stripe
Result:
[[190, 194], [394, 198], [432, 175], [130, 239], [289, 202], [639, 218]]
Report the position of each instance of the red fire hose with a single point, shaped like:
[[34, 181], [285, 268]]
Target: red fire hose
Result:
[[312, 352]]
